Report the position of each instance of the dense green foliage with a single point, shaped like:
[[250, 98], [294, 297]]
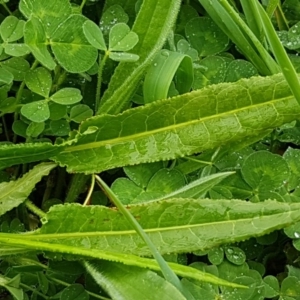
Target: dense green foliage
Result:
[[149, 149]]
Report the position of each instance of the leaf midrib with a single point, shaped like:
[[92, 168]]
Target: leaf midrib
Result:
[[136, 136], [149, 230]]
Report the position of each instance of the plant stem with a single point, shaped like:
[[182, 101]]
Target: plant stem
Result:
[[82, 5], [5, 128], [165, 268], [99, 81], [6, 8], [88, 196], [32, 207]]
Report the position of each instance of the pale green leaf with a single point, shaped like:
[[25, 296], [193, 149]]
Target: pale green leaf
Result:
[[198, 187], [35, 38], [37, 111], [127, 75], [39, 81], [94, 35], [131, 260], [70, 46], [121, 38], [13, 193], [182, 125], [198, 225], [126, 282], [165, 66], [67, 96]]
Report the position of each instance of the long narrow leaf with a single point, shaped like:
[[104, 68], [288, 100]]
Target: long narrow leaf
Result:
[[237, 30], [131, 260], [176, 225], [13, 193], [182, 125], [152, 30], [282, 58]]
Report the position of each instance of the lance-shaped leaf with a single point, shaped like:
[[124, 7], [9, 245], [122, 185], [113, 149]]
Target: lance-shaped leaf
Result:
[[14, 193], [182, 125], [152, 31], [24, 153], [176, 225], [7, 240], [128, 282]]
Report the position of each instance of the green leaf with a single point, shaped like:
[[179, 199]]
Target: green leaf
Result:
[[8, 105], [11, 29], [142, 173], [166, 181], [128, 282], [184, 47], [51, 13], [39, 81], [16, 49], [60, 127], [112, 15], [57, 111], [12, 285], [17, 66], [35, 38], [205, 36], [74, 291], [13, 193], [161, 73], [121, 38], [183, 125], [94, 35], [271, 286], [12, 239], [126, 190], [67, 96], [80, 113], [127, 75], [35, 129], [290, 287], [265, 171], [70, 46], [230, 22], [235, 255], [37, 111], [197, 188], [238, 69], [216, 255], [290, 39], [19, 127], [201, 224], [6, 77], [122, 56]]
